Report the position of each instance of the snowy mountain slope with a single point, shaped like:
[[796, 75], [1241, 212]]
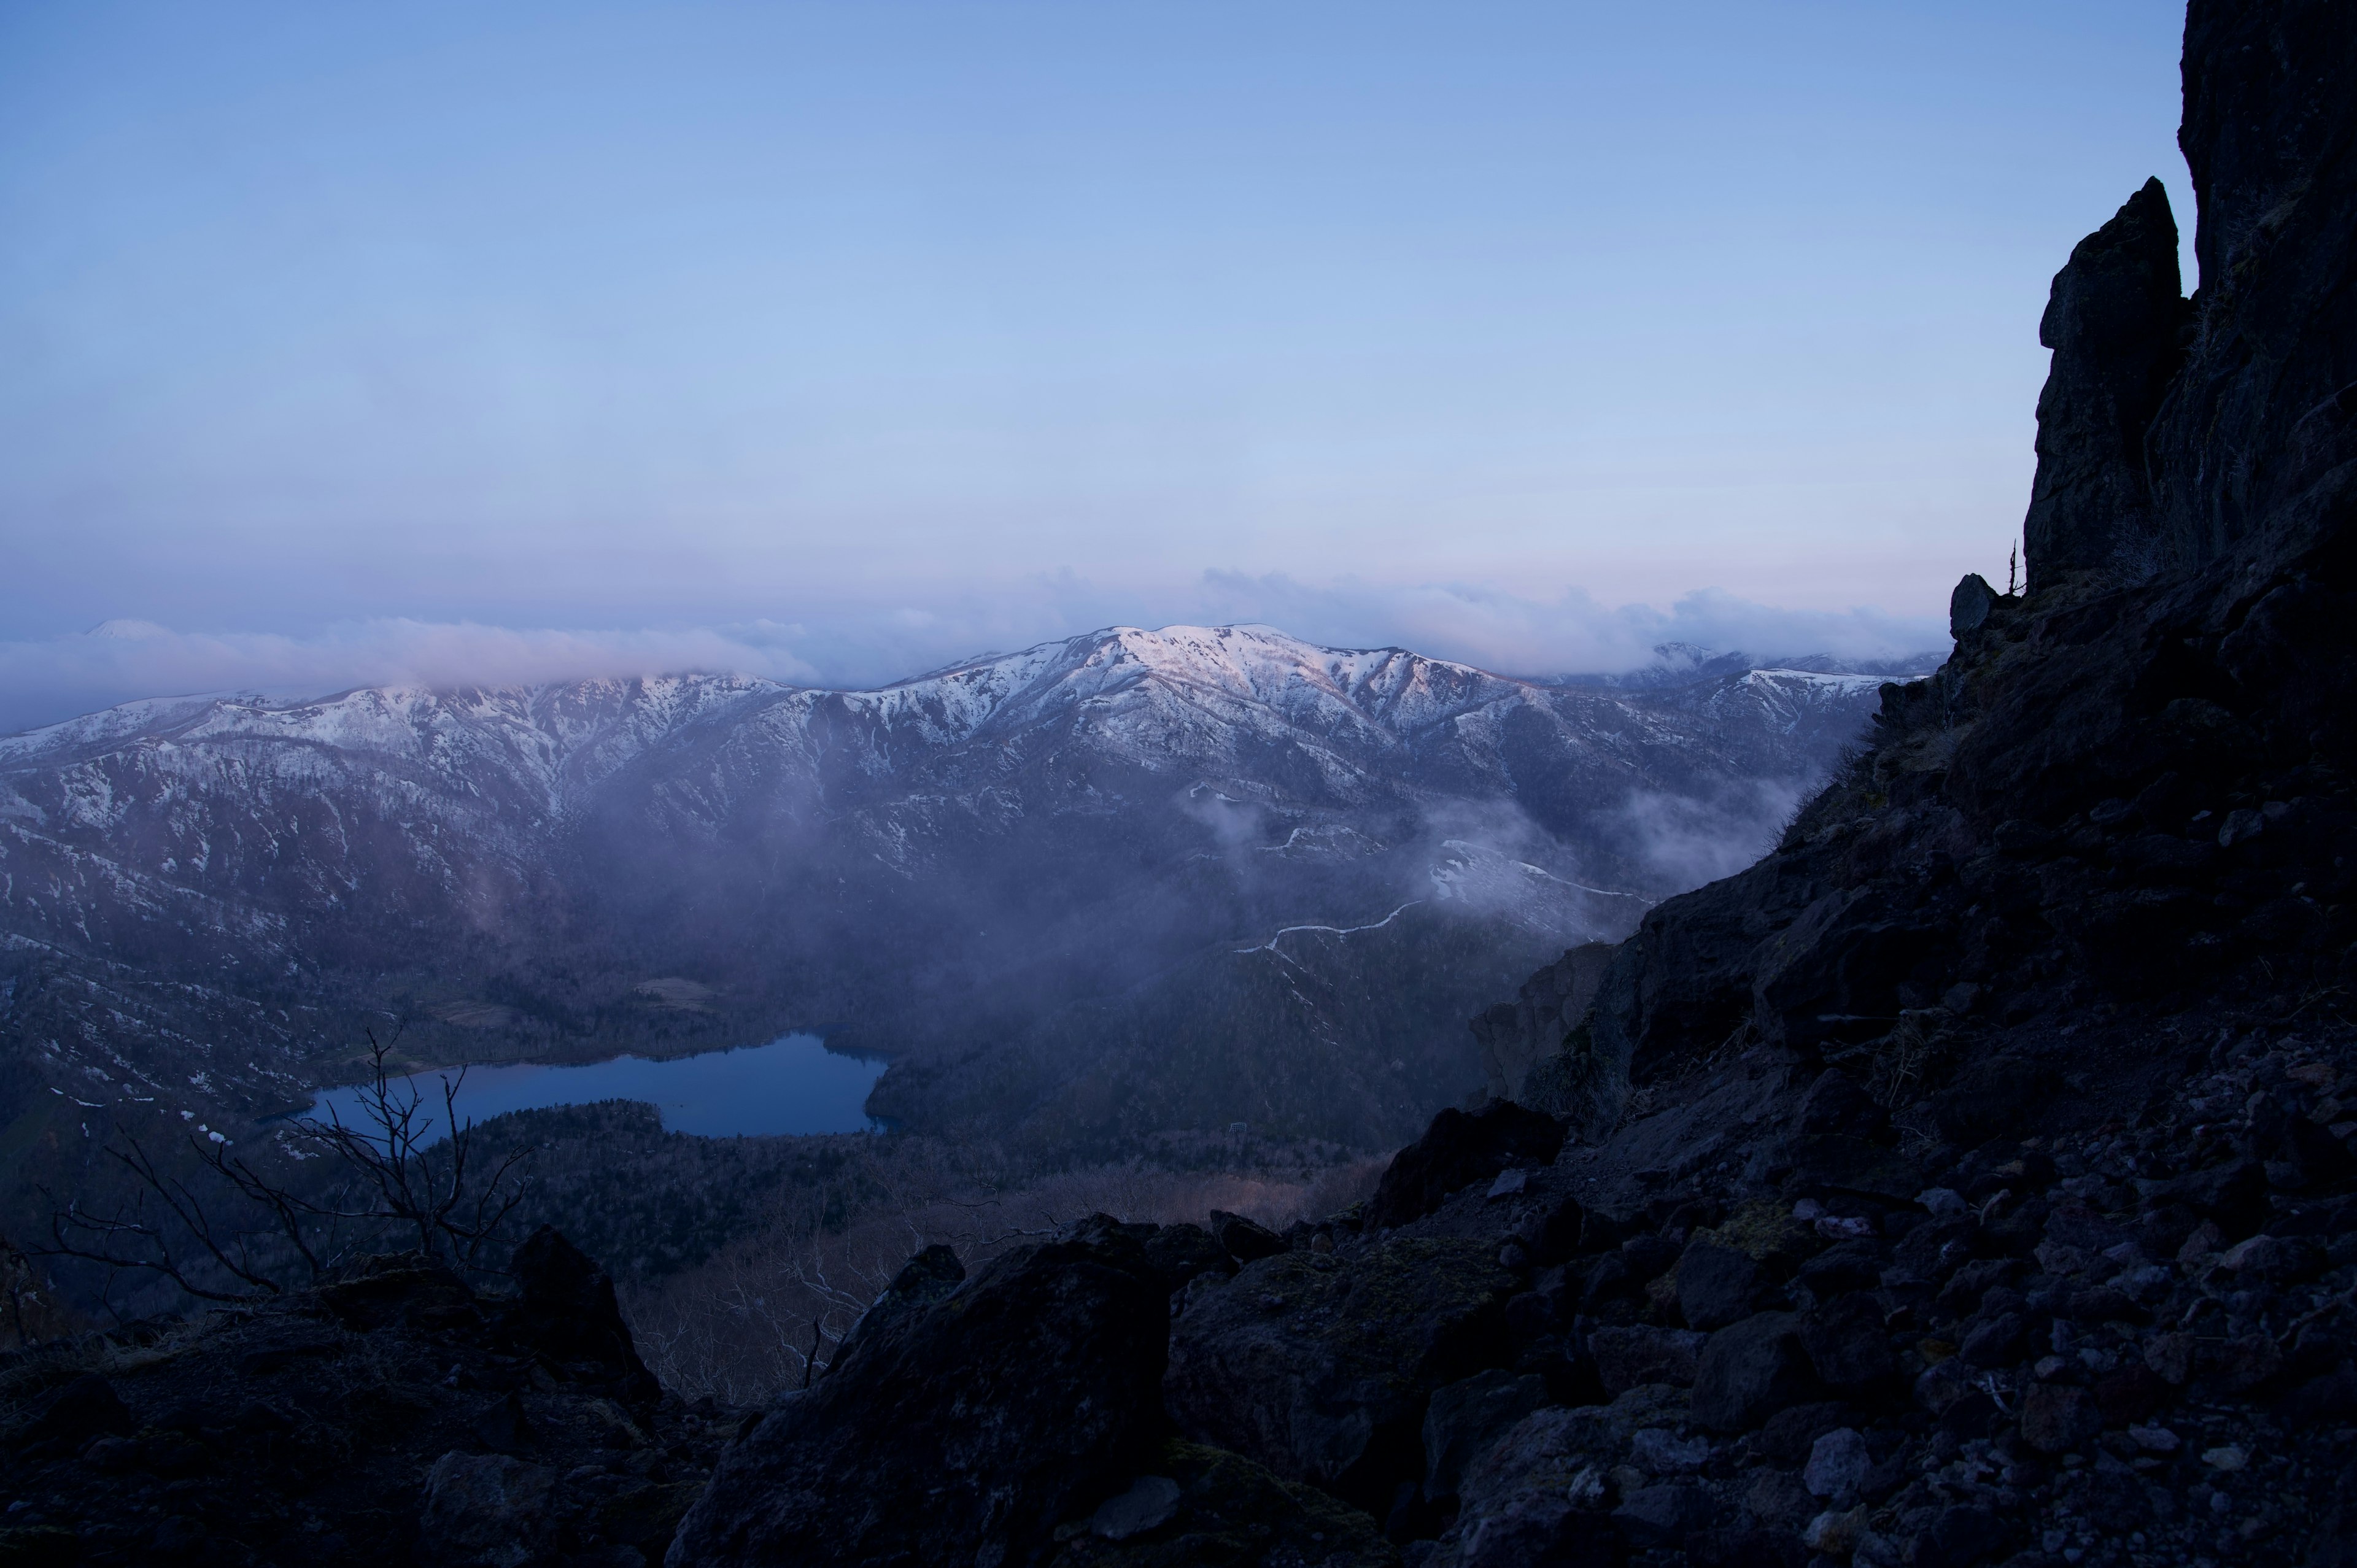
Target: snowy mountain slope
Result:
[[1204, 696], [956, 857]]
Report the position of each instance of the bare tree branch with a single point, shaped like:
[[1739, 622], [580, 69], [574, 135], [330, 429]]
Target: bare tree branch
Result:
[[397, 1177]]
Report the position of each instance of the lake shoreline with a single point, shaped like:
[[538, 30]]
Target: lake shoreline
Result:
[[794, 1084], [825, 1034]]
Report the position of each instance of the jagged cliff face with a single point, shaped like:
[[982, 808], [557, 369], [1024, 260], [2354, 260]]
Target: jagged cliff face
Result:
[[1971, 1180], [2049, 818], [2030, 1037], [2179, 434], [2249, 453], [2115, 324]]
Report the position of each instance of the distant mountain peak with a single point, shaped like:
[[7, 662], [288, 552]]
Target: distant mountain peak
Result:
[[129, 630], [1688, 663]]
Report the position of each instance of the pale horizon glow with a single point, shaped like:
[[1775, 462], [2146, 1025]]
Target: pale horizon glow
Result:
[[60, 677], [842, 341]]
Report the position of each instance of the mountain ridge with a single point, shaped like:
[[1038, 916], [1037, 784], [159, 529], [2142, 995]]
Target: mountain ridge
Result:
[[1970, 1181], [1003, 680], [530, 854]]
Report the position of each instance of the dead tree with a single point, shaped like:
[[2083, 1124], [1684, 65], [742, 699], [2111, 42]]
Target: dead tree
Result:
[[251, 1235]]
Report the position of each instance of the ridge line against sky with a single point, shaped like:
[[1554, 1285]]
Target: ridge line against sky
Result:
[[50, 679], [864, 336]]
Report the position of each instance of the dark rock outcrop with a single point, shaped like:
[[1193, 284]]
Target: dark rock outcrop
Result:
[[1244, 1240], [2025, 1019], [2115, 322], [72, 1415], [397, 1415], [1458, 1149], [1216, 1509], [2077, 805], [1749, 1370], [1970, 606], [566, 1308], [963, 1429], [2257, 436], [1321, 1368], [926, 1280], [1179, 1252], [1466, 1418], [1716, 1286], [1516, 1037]]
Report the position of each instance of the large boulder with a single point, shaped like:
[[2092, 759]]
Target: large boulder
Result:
[[1458, 1149], [1832, 976], [1847, 1344], [1516, 1037], [1203, 1508], [1466, 1417], [1542, 1493], [931, 1276], [1685, 977], [72, 1415], [1716, 1285], [1750, 1371], [1320, 1368], [1245, 1241], [1179, 1252], [964, 1430], [1633, 1355], [392, 1417], [1835, 1103], [564, 1308], [487, 1511]]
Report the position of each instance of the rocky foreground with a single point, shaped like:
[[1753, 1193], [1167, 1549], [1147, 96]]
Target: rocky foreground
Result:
[[1970, 1181], [2073, 1346], [396, 1416]]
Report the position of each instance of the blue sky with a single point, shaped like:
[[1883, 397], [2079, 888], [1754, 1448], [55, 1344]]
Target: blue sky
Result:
[[342, 343]]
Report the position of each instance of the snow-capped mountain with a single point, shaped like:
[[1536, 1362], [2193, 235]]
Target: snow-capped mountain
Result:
[[985, 865]]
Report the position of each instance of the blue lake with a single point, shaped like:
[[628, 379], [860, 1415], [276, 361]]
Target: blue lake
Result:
[[794, 1084]]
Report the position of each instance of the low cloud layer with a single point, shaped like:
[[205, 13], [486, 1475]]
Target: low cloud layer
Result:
[[1568, 634], [43, 681], [1688, 842]]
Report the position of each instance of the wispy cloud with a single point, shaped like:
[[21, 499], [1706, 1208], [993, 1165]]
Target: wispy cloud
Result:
[[1688, 842], [1569, 633], [48, 679], [58, 677]]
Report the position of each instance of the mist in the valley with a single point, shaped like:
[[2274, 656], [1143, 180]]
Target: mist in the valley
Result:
[[1092, 979], [1688, 841], [1104, 912]]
